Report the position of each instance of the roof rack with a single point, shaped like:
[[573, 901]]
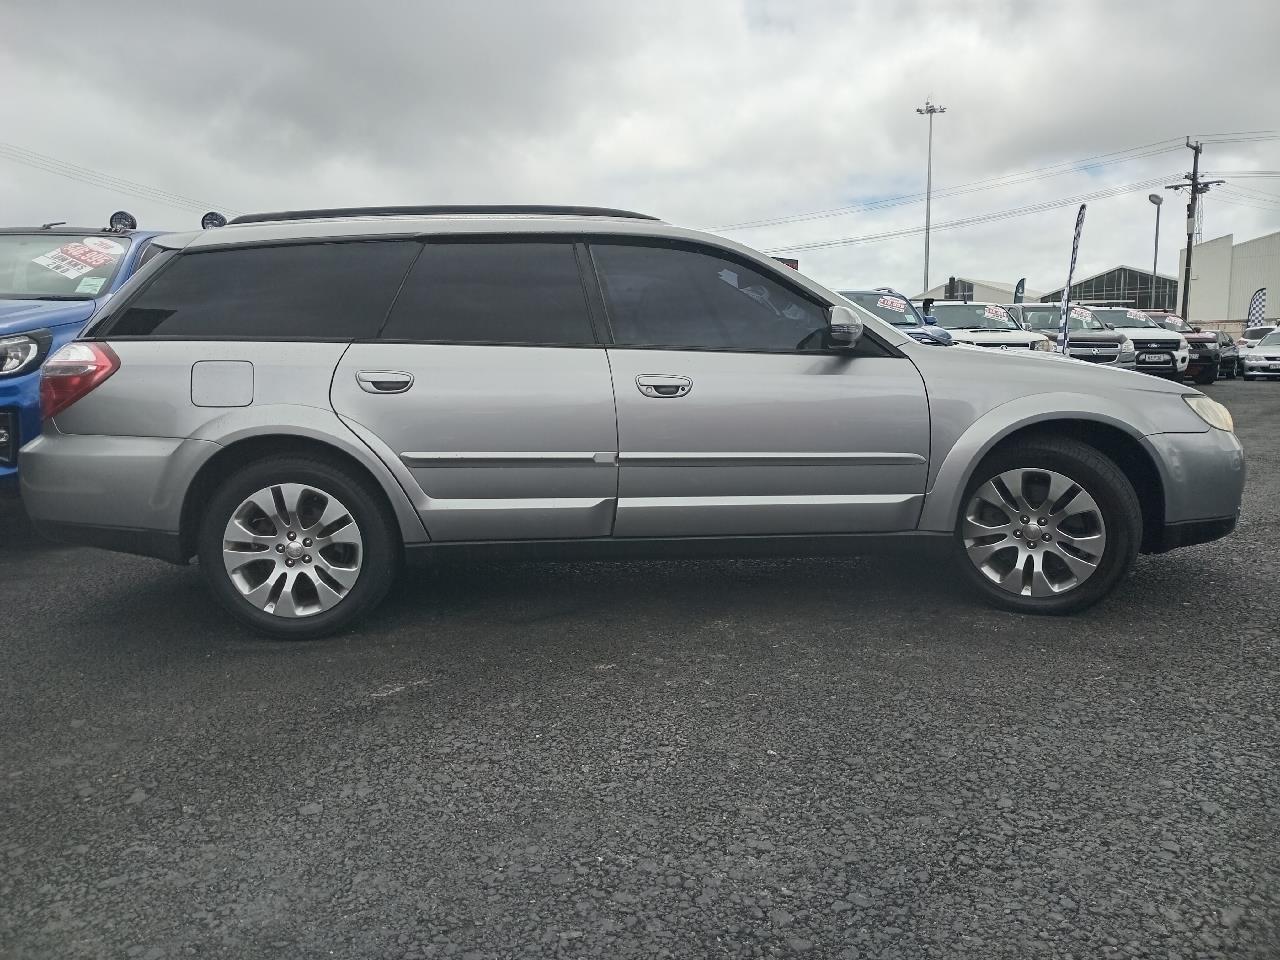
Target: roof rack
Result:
[[456, 210]]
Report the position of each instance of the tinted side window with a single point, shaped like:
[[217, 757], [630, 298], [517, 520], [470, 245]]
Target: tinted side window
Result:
[[149, 252], [682, 297], [323, 291], [493, 292]]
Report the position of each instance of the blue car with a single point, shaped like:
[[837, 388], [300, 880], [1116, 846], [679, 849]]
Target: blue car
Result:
[[892, 307], [52, 279]]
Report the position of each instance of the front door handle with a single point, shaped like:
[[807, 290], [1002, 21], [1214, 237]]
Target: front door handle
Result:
[[384, 381], [663, 387]]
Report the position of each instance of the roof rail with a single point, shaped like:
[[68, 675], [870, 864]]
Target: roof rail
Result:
[[446, 210]]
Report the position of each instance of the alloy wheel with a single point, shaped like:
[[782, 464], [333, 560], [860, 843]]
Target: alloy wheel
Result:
[[1034, 532], [292, 550]]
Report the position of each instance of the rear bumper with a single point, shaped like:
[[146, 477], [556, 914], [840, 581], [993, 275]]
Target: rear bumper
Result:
[[122, 493], [144, 543]]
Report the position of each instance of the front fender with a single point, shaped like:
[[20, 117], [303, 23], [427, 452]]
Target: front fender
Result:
[[956, 462]]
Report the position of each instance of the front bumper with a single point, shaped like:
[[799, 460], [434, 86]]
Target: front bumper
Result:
[[19, 422], [1203, 475], [1166, 362], [1262, 367]]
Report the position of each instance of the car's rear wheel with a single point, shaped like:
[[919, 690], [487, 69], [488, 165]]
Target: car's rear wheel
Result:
[[1048, 526], [298, 547]]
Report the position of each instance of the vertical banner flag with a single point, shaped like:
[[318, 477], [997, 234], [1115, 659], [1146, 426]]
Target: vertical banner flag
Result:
[[1064, 333], [1257, 307], [1020, 290]]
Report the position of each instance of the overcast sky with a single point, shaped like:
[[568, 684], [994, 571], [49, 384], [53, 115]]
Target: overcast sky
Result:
[[706, 113]]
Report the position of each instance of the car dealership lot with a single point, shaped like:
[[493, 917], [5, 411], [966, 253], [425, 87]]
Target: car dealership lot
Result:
[[831, 757]]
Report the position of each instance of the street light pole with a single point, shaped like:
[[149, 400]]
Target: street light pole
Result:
[[1155, 260], [929, 109]]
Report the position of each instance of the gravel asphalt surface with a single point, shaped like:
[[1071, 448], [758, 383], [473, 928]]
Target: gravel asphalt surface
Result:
[[834, 758]]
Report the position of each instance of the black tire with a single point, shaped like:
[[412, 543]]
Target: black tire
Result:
[[1101, 479], [1207, 376], [1247, 378], [381, 551]]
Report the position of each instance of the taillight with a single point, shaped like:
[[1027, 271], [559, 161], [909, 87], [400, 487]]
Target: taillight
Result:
[[72, 372]]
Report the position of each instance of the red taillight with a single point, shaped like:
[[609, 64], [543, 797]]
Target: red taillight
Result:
[[72, 372]]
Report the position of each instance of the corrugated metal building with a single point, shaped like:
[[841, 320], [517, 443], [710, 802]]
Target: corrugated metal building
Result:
[[1226, 274], [1122, 285]]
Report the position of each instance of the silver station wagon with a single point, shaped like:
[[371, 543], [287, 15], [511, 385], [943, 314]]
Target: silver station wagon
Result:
[[300, 399]]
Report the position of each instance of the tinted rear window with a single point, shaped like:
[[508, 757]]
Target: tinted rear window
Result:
[[493, 292], [320, 291]]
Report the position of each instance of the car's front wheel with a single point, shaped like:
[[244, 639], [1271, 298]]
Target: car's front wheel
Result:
[[1048, 526], [298, 547]]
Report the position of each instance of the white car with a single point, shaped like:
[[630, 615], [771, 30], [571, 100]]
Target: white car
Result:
[[986, 325], [1263, 360], [1252, 336], [1160, 350]]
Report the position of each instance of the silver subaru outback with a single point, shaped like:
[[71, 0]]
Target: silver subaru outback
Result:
[[301, 399]]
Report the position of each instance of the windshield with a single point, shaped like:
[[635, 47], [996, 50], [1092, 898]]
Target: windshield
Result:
[[1272, 339], [1174, 322], [1050, 319], [1120, 317], [973, 316], [886, 306], [45, 266]]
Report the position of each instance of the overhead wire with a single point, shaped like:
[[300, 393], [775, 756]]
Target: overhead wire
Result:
[[972, 221], [97, 178], [1155, 148]]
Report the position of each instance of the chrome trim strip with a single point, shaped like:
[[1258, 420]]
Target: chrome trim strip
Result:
[[817, 500], [520, 503], [469, 458], [771, 459]]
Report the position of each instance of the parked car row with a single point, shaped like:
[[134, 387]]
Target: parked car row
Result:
[[299, 399]]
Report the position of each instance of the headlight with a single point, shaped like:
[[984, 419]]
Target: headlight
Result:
[[1044, 344], [1126, 347], [18, 353], [1182, 344], [1211, 412]]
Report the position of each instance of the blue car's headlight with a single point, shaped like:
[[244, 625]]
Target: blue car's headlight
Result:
[[18, 354]]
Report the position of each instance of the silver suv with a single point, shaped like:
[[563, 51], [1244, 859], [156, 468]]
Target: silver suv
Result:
[[301, 398]]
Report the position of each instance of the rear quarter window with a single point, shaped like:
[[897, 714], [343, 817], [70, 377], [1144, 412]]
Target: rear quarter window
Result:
[[315, 291]]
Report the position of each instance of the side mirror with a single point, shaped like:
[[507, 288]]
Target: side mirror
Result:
[[1110, 325], [844, 329], [930, 320], [1196, 330]]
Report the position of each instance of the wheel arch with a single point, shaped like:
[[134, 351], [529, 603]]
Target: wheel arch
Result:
[[255, 446], [1114, 438]]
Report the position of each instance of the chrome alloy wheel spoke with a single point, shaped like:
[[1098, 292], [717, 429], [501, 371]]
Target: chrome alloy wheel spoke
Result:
[[292, 550], [1034, 532]]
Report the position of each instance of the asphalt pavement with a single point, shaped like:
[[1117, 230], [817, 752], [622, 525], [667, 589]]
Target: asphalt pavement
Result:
[[826, 758]]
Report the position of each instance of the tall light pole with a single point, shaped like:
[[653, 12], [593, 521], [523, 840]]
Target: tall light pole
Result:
[[928, 110], [1155, 261]]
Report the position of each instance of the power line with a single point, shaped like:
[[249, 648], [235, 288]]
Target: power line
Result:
[[989, 183], [972, 221], [105, 181]]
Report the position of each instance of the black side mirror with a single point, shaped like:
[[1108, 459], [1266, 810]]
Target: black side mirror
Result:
[[1196, 330], [1110, 325]]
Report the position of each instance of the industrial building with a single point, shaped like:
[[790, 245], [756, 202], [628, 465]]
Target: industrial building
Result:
[[1122, 285], [1225, 275]]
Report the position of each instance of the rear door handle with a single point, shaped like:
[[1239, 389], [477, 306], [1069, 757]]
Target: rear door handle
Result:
[[662, 386], [384, 381]]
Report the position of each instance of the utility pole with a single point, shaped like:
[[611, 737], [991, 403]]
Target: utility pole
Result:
[[928, 110], [1196, 187]]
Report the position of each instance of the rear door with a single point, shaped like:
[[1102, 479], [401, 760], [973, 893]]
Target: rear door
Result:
[[488, 384], [732, 417]]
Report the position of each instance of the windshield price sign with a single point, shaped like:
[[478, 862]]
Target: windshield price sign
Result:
[[74, 259]]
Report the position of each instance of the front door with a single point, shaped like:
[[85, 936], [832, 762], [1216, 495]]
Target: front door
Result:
[[732, 418], [488, 385]]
